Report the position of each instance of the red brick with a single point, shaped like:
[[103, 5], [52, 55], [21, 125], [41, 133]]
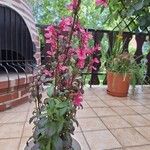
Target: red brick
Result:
[[2, 107], [8, 96], [20, 101]]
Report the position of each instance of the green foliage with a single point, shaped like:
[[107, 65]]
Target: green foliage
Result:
[[51, 11], [122, 11]]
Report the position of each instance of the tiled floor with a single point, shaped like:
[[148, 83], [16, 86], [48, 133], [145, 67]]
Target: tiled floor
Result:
[[106, 122]]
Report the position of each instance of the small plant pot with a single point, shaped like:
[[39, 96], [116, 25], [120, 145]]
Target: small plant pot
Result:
[[118, 84], [75, 145]]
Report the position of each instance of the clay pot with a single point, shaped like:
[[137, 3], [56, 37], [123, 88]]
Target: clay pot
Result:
[[118, 84]]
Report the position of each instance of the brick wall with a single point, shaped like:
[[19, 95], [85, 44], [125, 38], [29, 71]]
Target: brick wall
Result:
[[22, 8], [15, 91]]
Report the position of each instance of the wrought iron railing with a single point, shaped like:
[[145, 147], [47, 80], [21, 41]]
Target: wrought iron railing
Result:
[[98, 35]]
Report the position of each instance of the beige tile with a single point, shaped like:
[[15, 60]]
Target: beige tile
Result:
[[147, 116], [146, 147], [129, 137], [96, 103], [11, 130], [104, 112], [124, 110], [148, 106], [28, 129], [113, 103], [85, 113], [145, 131], [5, 117], [22, 108], [18, 117], [80, 138], [85, 105], [136, 120], [89, 124], [23, 143], [9, 144], [131, 103], [115, 122], [100, 140], [140, 109], [91, 98]]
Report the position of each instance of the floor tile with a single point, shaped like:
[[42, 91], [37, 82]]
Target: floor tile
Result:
[[11, 130], [96, 103], [140, 109], [89, 124], [9, 144], [136, 120], [104, 112], [27, 129], [146, 147], [91, 98], [85, 105], [23, 143], [145, 131], [129, 137], [22, 108], [80, 138], [5, 117], [124, 110], [18, 117], [113, 103], [85, 113], [147, 116], [148, 106], [131, 103], [115, 122], [100, 140]]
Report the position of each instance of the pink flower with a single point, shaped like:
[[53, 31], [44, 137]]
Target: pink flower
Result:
[[102, 2], [81, 54], [73, 5], [51, 53], [95, 60], [65, 24], [47, 72], [81, 64], [78, 98], [62, 67], [61, 57]]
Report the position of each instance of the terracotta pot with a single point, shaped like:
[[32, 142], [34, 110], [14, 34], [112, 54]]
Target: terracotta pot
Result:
[[118, 84]]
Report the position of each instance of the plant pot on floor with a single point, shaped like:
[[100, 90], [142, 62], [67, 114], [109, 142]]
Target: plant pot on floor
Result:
[[118, 84], [75, 145]]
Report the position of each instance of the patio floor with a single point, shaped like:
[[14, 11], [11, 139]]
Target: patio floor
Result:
[[106, 122]]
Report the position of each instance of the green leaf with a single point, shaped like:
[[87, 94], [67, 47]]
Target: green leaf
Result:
[[48, 147], [58, 143], [138, 5], [50, 90]]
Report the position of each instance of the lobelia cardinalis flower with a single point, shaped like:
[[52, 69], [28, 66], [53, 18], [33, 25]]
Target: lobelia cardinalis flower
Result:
[[65, 24], [73, 5], [78, 98], [81, 63], [102, 2], [81, 54], [47, 72], [61, 67], [95, 60]]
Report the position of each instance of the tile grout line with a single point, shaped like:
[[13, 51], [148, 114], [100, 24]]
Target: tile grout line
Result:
[[119, 116], [24, 127]]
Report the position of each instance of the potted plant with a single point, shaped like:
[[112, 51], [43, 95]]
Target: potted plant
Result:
[[69, 54], [122, 70]]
